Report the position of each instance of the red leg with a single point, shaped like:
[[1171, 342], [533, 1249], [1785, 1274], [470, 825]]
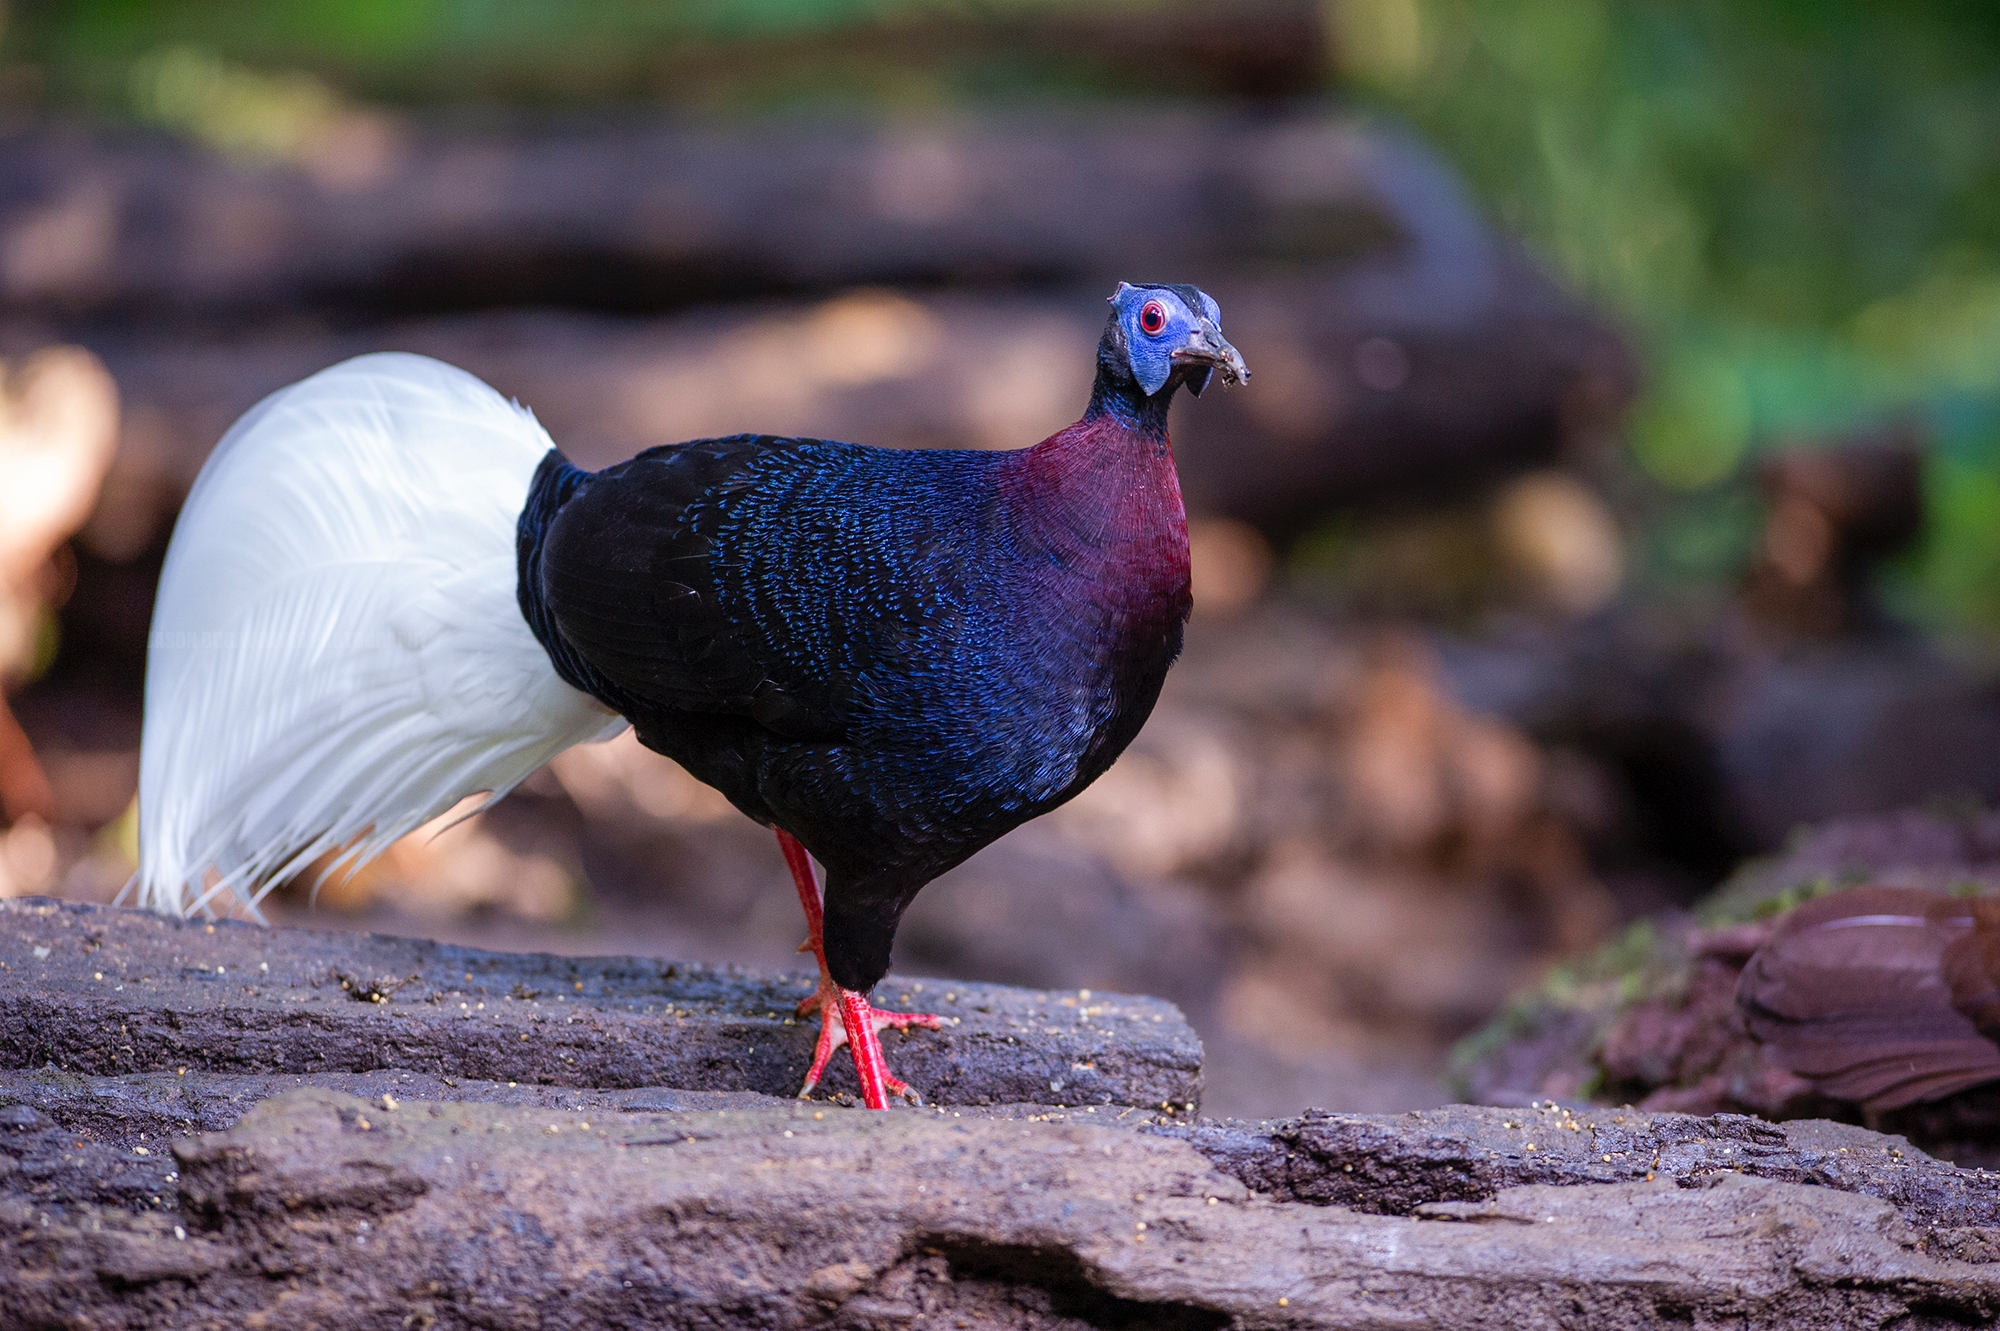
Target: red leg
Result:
[[801, 866], [842, 1011], [877, 1084]]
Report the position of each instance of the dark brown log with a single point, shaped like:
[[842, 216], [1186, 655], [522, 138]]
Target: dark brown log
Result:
[[1481, 397], [400, 1196], [101, 991], [372, 1211], [1400, 346], [1383, 1164], [1396, 1164], [1872, 995], [1728, 745], [1836, 510], [1737, 1016], [641, 214]]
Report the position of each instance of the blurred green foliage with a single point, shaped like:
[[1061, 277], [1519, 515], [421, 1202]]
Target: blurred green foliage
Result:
[[1796, 205], [703, 54]]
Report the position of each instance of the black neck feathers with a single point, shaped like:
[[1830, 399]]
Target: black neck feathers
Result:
[[1116, 393], [555, 483]]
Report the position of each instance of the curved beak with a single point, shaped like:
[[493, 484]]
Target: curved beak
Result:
[[1209, 350]]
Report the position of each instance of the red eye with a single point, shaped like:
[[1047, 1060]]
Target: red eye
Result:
[[1152, 318]]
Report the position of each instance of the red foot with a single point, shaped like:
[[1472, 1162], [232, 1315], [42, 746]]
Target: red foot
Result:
[[838, 1008], [846, 1017]]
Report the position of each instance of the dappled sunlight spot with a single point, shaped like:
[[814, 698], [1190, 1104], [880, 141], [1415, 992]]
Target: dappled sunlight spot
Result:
[[775, 370], [1382, 41], [622, 781], [58, 426], [63, 245], [1296, 398], [1560, 540], [1230, 565], [27, 858], [1696, 426], [1026, 387], [1420, 775], [865, 337], [1350, 955], [1798, 540], [1947, 326], [1171, 803]]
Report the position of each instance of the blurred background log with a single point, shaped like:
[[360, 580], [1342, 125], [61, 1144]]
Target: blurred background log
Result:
[[643, 214], [1403, 345]]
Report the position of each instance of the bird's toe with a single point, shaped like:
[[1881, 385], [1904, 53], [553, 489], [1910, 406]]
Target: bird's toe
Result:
[[902, 1021]]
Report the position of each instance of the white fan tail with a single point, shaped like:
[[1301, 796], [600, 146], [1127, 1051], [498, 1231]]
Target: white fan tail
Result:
[[337, 655]]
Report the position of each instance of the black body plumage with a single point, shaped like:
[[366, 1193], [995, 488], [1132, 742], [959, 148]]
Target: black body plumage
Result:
[[896, 656]]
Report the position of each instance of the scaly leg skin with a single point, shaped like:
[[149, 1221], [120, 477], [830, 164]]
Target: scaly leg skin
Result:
[[843, 1010]]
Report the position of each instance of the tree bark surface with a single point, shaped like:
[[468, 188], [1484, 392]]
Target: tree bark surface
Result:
[[104, 991], [396, 1196]]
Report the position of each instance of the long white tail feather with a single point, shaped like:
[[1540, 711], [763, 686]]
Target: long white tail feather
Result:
[[337, 656]]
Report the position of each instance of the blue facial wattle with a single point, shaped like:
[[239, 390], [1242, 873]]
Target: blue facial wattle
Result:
[[1158, 321]]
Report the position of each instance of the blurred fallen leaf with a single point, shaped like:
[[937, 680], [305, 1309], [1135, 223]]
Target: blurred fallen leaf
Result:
[[58, 427], [24, 787], [27, 858]]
